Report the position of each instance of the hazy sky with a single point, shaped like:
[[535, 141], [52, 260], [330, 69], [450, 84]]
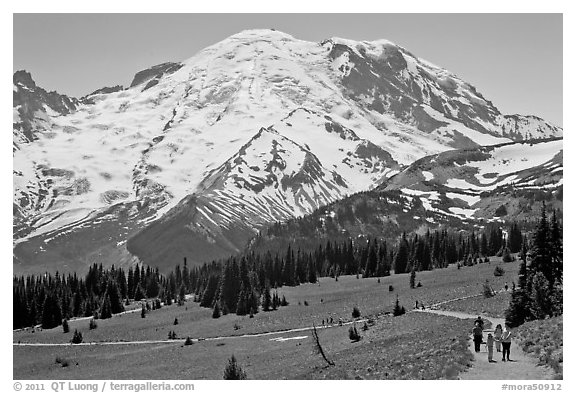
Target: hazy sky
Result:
[[514, 60]]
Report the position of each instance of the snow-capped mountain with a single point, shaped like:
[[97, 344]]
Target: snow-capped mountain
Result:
[[256, 128], [484, 182]]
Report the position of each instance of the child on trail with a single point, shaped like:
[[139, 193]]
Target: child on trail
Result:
[[498, 336], [490, 345]]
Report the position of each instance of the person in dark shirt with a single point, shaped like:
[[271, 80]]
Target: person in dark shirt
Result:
[[477, 333], [480, 322]]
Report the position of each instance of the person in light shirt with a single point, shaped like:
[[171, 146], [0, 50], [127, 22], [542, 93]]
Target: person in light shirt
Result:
[[506, 343]]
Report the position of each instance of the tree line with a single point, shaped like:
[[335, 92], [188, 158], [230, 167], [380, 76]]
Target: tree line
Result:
[[243, 284], [540, 277]]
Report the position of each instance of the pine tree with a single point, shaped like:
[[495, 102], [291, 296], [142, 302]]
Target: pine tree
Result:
[[413, 278], [105, 308], [77, 337], [540, 305], [397, 309], [515, 238], [266, 299], [540, 252], [233, 370], [138, 293], [556, 248], [51, 314], [518, 311], [401, 259], [216, 313], [65, 326]]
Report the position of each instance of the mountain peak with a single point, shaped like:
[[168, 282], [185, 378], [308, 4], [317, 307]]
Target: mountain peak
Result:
[[260, 34], [25, 78]]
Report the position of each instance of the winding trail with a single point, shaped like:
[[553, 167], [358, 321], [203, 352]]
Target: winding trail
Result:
[[521, 366], [180, 340]]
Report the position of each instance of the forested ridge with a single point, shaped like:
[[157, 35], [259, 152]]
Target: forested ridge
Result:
[[243, 284]]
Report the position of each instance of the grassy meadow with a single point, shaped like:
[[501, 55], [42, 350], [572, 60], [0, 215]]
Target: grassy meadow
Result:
[[413, 339]]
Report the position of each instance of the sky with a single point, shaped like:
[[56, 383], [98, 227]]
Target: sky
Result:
[[514, 60]]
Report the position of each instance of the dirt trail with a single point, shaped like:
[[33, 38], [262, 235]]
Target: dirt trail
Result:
[[179, 341], [520, 367]]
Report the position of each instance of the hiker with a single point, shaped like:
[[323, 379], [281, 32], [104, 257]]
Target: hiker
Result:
[[423, 308], [490, 346], [480, 322], [497, 337], [477, 332], [506, 343]]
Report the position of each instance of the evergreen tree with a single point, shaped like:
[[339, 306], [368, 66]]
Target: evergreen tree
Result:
[[65, 326], [556, 249], [106, 308], [77, 337], [138, 293], [266, 299], [397, 311], [540, 252], [518, 312], [540, 304], [51, 314], [515, 238], [401, 259], [233, 370], [216, 313], [413, 278]]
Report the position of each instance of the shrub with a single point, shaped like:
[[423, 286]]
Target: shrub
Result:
[[233, 370], [507, 257], [175, 321], [283, 302], [92, 325], [487, 290], [390, 288], [365, 327], [353, 334], [77, 338], [419, 285], [305, 302], [188, 341], [236, 326], [62, 362], [498, 271], [355, 312]]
